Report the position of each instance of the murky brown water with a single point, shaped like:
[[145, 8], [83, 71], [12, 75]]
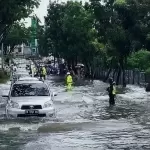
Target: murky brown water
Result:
[[84, 122]]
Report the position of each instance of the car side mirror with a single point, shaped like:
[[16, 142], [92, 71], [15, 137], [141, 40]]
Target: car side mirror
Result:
[[54, 94]]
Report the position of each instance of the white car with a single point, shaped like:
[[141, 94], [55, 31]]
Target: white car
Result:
[[18, 75], [21, 70], [30, 98], [28, 79]]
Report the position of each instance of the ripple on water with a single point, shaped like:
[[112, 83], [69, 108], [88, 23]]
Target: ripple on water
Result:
[[123, 136], [85, 122]]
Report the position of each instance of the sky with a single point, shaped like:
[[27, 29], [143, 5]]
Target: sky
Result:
[[40, 12]]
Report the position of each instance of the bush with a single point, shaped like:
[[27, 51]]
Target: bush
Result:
[[147, 72], [3, 77], [140, 60]]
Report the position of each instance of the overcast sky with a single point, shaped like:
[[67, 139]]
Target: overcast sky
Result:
[[40, 12]]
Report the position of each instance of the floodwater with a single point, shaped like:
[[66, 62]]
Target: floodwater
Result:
[[84, 121]]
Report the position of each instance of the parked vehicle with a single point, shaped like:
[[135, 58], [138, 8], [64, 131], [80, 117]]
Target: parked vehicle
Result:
[[17, 75], [28, 79]]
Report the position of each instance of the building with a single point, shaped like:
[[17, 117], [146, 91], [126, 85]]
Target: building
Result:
[[22, 50]]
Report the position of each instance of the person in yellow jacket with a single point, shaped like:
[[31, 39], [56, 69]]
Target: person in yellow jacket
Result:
[[112, 92], [69, 81], [44, 72]]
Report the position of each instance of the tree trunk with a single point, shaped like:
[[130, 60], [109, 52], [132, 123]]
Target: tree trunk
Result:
[[87, 70], [124, 78], [4, 33], [133, 75], [124, 73], [107, 76], [73, 65], [123, 70], [118, 76], [108, 73], [54, 59], [76, 60], [114, 73]]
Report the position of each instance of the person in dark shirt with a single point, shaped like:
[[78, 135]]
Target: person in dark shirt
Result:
[[111, 91]]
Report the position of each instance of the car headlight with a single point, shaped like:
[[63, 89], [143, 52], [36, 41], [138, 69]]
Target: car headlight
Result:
[[14, 105], [48, 104]]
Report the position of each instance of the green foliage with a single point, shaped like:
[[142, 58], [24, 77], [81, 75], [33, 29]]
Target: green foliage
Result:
[[42, 45], [140, 60], [147, 71], [108, 33], [21, 9], [18, 34], [120, 2], [12, 11], [70, 33], [3, 77]]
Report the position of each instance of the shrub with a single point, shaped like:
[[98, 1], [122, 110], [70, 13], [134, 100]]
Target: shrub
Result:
[[3, 76], [147, 72], [140, 60]]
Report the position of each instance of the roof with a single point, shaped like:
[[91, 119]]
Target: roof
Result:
[[21, 69], [21, 72], [28, 79], [28, 82]]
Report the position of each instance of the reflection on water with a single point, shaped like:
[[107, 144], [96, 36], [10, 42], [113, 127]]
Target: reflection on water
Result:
[[84, 122]]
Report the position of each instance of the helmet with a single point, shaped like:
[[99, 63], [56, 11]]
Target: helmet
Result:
[[68, 73], [114, 83]]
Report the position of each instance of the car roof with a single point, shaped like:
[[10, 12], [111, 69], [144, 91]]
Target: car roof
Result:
[[21, 69], [28, 78], [28, 82], [21, 72]]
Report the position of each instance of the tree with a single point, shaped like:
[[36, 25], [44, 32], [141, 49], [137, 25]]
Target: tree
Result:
[[17, 35], [123, 26], [139, 60], [21, 9], [42, 45], [53, 28], [100, 33], [70, 33]]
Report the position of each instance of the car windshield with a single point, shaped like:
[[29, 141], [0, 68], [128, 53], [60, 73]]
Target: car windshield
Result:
[[30, 89]]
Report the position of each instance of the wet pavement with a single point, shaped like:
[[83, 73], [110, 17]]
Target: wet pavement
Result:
[[84, 121]]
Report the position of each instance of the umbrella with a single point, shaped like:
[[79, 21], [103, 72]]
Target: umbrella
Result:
[[79, 65]]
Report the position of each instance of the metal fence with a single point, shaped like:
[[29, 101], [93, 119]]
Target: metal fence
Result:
[[131, 76]]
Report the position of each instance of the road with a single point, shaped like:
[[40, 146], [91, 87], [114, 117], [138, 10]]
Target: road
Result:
[[84, 122]]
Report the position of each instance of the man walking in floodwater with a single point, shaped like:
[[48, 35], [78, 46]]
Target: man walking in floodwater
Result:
[[69, 81], [112, 92]]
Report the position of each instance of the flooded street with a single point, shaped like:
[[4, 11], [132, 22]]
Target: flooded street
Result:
[[84, 121]]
